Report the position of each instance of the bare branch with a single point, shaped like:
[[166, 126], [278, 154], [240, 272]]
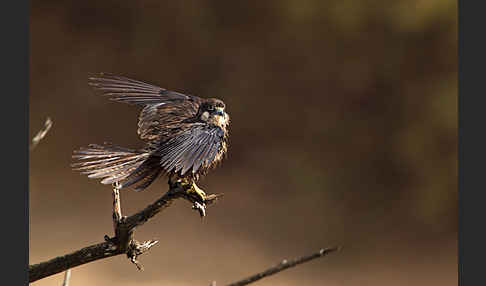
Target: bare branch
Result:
[[117, 216], [285, 264], [71, 260], [123, 241], [144, 215], [41, 134], [67, 276]]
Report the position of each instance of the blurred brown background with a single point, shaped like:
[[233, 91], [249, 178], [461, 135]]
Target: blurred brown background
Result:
[[344, 132]]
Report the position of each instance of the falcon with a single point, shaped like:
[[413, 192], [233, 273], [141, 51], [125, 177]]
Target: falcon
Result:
[[185, 137]]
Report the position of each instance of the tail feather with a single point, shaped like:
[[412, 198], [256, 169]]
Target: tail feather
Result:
[[147, 180], [101, 163], [117, 164], [144, 174]]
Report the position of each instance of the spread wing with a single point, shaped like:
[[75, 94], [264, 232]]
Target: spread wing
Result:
[[162, 109], [193, 148], [131, 91]]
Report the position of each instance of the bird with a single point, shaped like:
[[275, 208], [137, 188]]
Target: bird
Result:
[[185, 136]]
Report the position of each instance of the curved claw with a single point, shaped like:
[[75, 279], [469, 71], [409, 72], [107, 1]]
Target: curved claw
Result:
[[194, 190], [201, 208], [198, 192]]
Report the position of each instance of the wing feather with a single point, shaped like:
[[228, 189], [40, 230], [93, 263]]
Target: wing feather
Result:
[[162, 108], [202, 159], [191, 149], [198, 150], [132, 91]]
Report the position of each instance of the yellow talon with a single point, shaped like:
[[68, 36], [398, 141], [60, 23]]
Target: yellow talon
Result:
[[194, 189], [198, 191]]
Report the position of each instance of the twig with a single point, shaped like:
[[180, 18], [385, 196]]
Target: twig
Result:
[[285, 264], [117, 216], [124, 234], [41, 134], [122, 242], [67, 276]]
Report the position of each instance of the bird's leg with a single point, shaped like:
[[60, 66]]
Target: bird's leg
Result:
[[194, 189], [190, 186], [200, 192]]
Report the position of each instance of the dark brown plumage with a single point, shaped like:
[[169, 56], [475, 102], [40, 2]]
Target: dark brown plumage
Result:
[[185, 136]]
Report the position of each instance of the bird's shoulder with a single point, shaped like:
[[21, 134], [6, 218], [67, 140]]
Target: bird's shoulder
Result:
[[157, 121]]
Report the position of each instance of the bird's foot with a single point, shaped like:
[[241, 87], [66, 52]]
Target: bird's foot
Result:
[[198, 192], [194, 190], [196, 195]]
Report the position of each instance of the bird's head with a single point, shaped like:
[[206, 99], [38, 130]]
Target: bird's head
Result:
[[212, 111]]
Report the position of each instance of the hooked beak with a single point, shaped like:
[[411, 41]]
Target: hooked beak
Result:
[[219, 111]]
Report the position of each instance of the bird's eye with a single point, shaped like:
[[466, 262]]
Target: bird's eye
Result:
[[210, 108]]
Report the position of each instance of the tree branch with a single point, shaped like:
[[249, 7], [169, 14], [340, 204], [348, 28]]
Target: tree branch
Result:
[[41, 134], [285, 264], [79, 257], [123, 241], [67, 276]]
